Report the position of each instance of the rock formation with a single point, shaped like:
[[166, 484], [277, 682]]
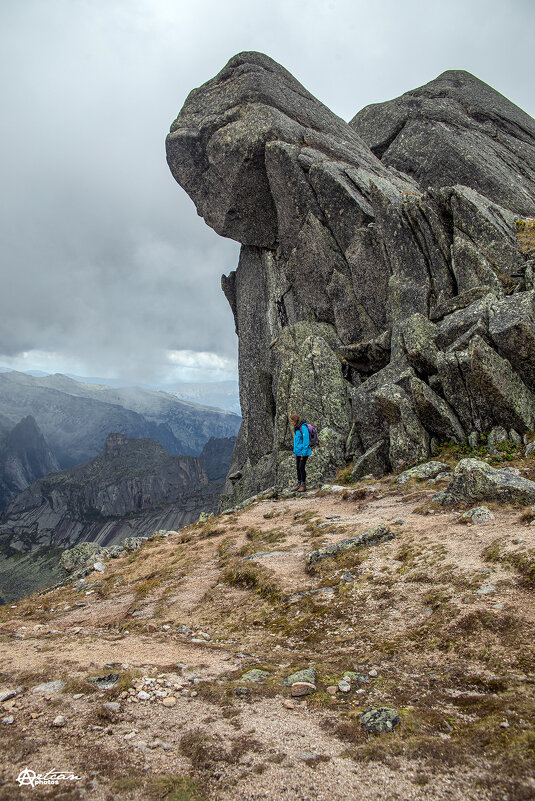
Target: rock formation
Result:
[[381, 289], [24, 457], [133, 488], [217, 456]]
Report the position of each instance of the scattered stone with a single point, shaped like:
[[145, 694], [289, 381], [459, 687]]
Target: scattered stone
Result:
[[332, 689], [256, 676], [130, 735], [518, 540], [59, 721], [497, 435], [112, 706], [486, 589], [143, 696], [169, 701], [49, 687], [242, 692], [373, 673], [350, 676], [307, 675], [478, 515], [302, 688], [347, 576], [7, 694], [287, 704], [504, 724], [380, 720], [473, 439], [104, 682], [499, 606], [100, 567], [530, 448], [344, 686], [7, 721], [372, 536], [422, 472], [310, 757], [183, 630]]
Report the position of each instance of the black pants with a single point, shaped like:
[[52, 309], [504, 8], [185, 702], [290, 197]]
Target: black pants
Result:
[[300, 462]]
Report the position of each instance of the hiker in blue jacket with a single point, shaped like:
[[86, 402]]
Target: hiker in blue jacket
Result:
[[301, 449]]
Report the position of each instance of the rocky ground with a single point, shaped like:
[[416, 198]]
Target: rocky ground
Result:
[[138, 683]]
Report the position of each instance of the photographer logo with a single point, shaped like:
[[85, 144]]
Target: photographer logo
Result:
[[31, 778]]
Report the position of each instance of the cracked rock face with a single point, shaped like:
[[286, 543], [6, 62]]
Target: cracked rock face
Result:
[[381, 291]]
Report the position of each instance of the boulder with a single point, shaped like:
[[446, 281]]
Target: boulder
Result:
[[474, 480], [80, 556], [380, 720], [374, 461], [372, 536], [456, 130], [422, 472], [479, 514]]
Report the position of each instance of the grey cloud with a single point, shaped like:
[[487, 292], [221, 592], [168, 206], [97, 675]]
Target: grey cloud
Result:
[[104, 258]]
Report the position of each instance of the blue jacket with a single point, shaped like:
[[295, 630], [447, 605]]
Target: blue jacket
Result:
[[302, 441]]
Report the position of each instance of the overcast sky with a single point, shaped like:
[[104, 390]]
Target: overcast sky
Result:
[[106, 267]]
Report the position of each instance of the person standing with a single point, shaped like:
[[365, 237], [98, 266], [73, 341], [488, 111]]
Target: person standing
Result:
[[302, 450]]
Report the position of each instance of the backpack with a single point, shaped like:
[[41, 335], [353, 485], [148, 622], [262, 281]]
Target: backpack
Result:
[[312, 434]]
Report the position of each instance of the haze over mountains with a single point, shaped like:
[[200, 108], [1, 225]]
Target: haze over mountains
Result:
[[76, 418]]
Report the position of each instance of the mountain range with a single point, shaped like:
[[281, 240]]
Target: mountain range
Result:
[[76, 418]]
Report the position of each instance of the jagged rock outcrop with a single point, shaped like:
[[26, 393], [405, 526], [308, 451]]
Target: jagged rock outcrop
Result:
[[133, 488], [381, 289], [217, 456], [24, 457]]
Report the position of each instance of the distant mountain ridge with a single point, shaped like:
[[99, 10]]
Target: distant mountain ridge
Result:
[[132, 487], [75, 418], [24, 457]]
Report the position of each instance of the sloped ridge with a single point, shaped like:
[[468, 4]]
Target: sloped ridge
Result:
[[456, 129], [387, 300]]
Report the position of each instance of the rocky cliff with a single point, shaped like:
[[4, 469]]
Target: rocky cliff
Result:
[[24, 457], [381, 290], [134, 487], [76, 417]]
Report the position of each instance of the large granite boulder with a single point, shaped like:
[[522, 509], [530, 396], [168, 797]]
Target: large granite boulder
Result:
[[474, 480], [381, 291]]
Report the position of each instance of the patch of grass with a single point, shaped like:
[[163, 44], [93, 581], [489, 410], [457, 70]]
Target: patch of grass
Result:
[[145, 587], [74, 685], [128, 784], [252, 577], [226, 550], [525, 233], [528, 515], [175, 787], [522, 561]]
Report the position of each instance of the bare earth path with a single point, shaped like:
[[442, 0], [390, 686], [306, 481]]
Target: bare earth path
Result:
[[437, 623]]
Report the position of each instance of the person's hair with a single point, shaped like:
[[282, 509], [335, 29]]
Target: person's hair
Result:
[[294, 419]]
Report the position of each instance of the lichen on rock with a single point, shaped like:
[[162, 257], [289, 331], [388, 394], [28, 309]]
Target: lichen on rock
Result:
[[387, 310]]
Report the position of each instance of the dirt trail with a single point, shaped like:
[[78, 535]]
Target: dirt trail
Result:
[[425, 619]]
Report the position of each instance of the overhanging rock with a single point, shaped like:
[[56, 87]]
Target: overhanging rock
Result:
[[381, 291]]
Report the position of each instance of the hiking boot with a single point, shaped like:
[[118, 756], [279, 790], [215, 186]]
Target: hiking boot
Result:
[[301, 488], [296, 488]]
